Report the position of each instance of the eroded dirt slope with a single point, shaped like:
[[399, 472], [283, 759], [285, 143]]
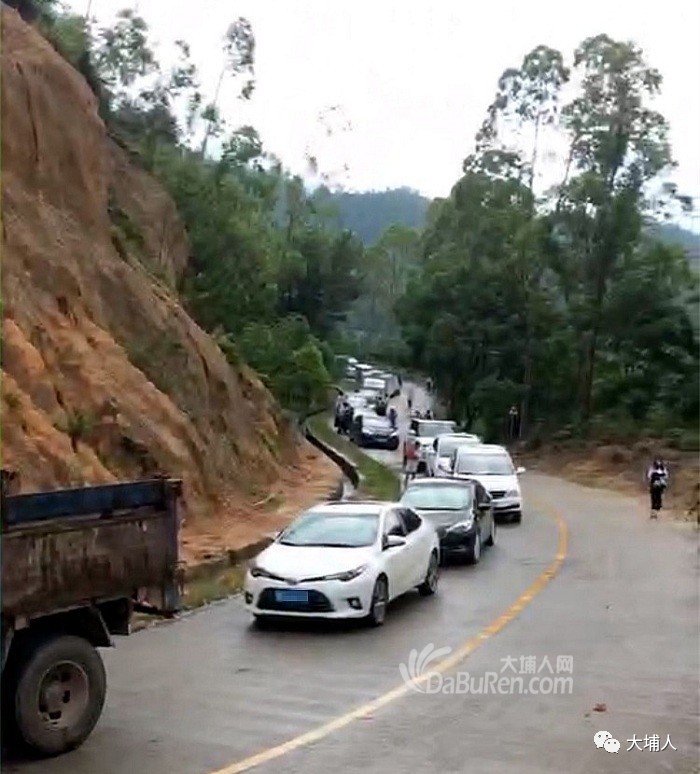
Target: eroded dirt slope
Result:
[[105, 376]]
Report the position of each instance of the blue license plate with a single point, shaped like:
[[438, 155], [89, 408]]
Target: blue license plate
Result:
[[291, 595]]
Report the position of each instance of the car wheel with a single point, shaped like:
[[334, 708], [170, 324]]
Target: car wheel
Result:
[[430, 584], [517, 517], [380, 600], [474, 554], [492, 537]]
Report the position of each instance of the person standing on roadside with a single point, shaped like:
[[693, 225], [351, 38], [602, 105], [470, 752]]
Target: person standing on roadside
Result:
[[657, 478], [337, 420]]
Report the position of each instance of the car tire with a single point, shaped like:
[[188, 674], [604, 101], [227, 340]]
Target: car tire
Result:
[[378, 605], [430, 584], [493, 536], [517, 517], [474, 554]]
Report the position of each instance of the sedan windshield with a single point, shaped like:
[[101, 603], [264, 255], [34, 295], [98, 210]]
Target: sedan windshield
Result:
[[448, 445], [438, 498], [432, 429], [376, 423], [341, 530], [485, 465]]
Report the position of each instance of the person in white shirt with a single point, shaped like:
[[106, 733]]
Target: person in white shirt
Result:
[[657, 478]]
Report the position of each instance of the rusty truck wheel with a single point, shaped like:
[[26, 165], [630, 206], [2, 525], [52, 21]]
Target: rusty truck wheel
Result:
[[60, 689]]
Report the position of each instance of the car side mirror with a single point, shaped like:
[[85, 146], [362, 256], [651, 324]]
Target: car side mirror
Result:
[[393, 541], [518, 471]]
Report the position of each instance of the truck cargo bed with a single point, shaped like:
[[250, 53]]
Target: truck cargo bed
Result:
[[70, 547]]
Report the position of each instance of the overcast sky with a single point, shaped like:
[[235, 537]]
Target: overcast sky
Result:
[[413, 78]]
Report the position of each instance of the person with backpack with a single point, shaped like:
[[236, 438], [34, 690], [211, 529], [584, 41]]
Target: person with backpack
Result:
[[657, 478]]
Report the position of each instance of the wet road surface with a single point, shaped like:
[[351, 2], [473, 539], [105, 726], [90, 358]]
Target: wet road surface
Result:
[[200, 694]]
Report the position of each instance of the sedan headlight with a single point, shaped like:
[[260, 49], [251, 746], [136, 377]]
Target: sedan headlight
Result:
[[343, 576], [512, 493], [461, 526]]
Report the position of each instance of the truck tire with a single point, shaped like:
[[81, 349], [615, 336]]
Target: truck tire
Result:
[[59, 688]]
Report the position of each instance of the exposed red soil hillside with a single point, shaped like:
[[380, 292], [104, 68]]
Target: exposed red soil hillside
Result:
[[105, 376]]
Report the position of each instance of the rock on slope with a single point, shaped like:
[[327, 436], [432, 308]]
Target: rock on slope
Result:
[[104, 374]]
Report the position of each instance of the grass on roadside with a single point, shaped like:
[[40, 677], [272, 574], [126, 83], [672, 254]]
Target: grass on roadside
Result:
[[378, 480], [211, 587]]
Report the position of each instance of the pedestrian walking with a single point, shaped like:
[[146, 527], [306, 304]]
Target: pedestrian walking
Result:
[[411, 462], [513, 423], [657, 478], [393, 417], [337, 418]]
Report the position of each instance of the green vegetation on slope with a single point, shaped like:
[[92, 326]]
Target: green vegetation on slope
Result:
[[379, 481], [267, 276], [369, 214], [562, 304], [565, 304]]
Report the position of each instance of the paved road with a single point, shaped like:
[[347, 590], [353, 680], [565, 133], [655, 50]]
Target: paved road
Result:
[[421, 400], [200, 694]]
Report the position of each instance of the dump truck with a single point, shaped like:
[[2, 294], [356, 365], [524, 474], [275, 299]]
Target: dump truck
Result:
[[76, 565]]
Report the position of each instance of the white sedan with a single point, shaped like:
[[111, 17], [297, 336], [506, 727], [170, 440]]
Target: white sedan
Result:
[[344, 560]]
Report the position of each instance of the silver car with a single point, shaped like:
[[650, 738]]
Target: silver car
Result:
[[440, 454]]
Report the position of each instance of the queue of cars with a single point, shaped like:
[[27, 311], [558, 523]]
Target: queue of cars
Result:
[[350, 559], [365, 410]]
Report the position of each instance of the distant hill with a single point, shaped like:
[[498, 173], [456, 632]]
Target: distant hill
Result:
[[673, 234], [370, 213]]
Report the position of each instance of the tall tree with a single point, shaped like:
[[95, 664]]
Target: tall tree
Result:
[[618, 145], [239, 61]]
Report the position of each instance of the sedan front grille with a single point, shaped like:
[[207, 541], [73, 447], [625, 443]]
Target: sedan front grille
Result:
[[318, 603], [498, 494]]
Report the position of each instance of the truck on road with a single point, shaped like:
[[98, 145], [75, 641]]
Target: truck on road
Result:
[[76, 565]]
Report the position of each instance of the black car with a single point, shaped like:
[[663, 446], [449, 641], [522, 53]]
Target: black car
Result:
[[460, 510], [372, 431]]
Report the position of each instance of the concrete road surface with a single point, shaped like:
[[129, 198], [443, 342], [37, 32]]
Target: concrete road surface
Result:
[[212, 694]]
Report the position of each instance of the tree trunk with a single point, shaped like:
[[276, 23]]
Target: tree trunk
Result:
[[591, 352], [527, 382], [207, 131]]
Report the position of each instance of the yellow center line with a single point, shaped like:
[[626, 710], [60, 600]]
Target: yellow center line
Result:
[[441, 667]]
